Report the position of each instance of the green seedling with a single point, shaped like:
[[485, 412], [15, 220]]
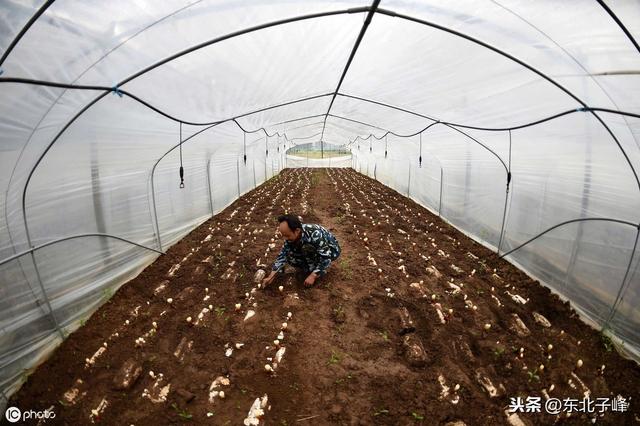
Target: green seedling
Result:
[[533, 375], [182, 413], [334, 358]]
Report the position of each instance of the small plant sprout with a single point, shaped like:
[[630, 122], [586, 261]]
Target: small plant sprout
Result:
[[579, 363], [169, 301], [267, 367], [487, 326], [334, 358], [284, 325], [280, 288], [289, 315], [188, 319], [238, 306], [533, 375], [549, 347]]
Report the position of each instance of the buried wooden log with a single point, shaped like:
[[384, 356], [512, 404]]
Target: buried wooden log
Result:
[[185, 294], [259, 276], [406, 321], [127, 375], [518, 327], [158, 393], [432, 270], [185, 395], [414, 351], [96, 413], [214, 389], [484, 380], [257, 411], [74, 394], [183, 348], [540, 319], [161, 287], [198, 271]]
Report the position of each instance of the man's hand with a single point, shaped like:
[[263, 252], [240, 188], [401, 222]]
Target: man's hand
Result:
[[311, 279], [268, 280]]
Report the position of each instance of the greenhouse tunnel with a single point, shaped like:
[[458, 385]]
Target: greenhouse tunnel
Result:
[[516, 122]]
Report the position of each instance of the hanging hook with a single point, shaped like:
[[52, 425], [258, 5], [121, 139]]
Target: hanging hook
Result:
[[420, 157], [244, 142], [181, 167]]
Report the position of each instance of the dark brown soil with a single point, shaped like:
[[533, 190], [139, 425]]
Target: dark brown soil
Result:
[[351, 357]]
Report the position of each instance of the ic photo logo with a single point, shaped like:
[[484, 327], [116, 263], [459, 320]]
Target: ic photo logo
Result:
[[13, 414]]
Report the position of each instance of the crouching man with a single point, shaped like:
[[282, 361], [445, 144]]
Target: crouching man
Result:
[[307, 246]]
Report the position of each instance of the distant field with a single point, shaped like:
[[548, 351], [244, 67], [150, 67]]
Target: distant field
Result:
[[318, 154]]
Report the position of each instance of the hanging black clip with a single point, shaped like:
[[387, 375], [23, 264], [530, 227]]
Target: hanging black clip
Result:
[[420, 161], [245, 159], [181, 177], [385, 153]]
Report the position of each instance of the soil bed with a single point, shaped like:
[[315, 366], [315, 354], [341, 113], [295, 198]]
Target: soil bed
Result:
[[396, 333]]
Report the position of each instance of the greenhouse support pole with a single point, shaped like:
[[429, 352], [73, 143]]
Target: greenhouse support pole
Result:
[[506, 199], [254, 173], [409, 182], [440, 202], [44, 292], [155, 210], [627, 274], [238, 175], [209, 186]]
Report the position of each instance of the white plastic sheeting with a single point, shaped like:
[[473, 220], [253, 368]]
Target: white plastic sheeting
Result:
[[251, 79], [297, 161]]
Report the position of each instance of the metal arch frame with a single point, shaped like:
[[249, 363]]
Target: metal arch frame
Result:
[[33, 249], [72, 237], [587, 219], [620, 24], [370, 11], [24, 30], [490, 129], [156, 65], [506, 168], [152, 173], [616, 303], [523, 64], [363, 30]]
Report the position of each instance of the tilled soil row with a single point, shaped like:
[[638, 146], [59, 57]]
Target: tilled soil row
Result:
[[414, 323]]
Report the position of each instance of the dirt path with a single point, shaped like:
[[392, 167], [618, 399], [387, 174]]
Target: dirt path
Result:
[[393, 334]]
